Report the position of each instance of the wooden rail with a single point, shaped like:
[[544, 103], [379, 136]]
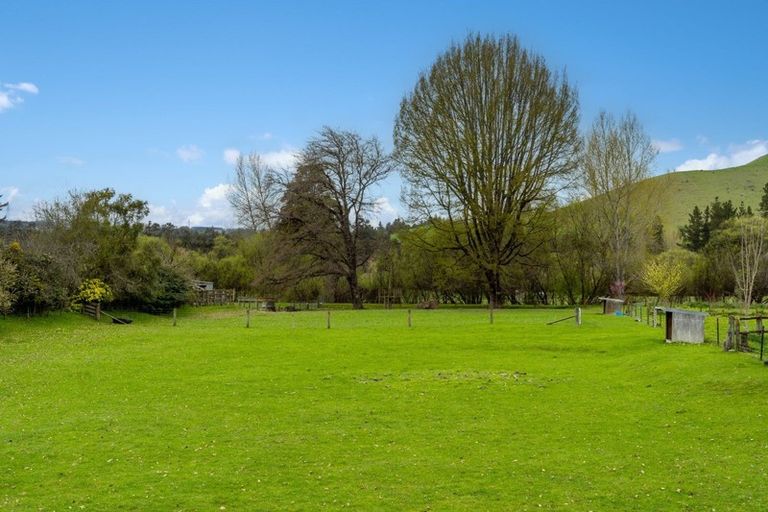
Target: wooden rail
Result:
[[92, 309], [214, 297], [738, 336]]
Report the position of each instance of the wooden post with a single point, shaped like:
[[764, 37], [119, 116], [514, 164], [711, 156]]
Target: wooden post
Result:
[[174, 317], [578, 316], [98, 311], [655, 317], [328, 321], [730, 337], [491, 314], [247, 318], [409, 317]]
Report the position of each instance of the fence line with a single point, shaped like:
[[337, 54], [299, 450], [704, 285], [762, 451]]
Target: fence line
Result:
[[214, 297]]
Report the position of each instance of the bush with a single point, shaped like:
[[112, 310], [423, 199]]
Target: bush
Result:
[[94, 290]]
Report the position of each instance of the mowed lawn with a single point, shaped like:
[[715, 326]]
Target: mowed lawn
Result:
[[451, 414]]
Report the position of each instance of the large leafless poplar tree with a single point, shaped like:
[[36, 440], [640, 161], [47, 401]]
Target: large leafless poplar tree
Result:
[[747, 262], [618, 156], [486, 137]]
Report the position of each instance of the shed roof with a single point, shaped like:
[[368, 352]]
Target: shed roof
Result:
[[682, 311], [610, 299]]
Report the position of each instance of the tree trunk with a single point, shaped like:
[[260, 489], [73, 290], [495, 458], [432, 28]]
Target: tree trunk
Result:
[[494, 287], [354, 291]]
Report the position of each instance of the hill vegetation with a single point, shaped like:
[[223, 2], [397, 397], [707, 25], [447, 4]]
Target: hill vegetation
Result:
[[684, 190]]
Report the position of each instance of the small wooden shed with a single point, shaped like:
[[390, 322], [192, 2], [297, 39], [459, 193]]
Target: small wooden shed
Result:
[[611, 306], [682, 325], [202, 285]]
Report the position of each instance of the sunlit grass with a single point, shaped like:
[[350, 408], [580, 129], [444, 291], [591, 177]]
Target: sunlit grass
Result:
[[451, 414]]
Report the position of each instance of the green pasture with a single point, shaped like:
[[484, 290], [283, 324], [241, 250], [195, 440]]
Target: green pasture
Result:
[[450, 414]]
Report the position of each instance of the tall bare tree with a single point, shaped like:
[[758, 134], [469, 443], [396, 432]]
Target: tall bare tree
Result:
[[327, 200], [617, 157], [746, 263], [486, 137], [256, 193]]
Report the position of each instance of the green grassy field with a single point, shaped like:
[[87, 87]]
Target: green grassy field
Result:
[[452, 414]]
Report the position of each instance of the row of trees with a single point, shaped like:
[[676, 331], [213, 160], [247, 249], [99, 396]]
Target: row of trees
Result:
[[90, 235], [507, 202], [152, 268], [487, 144]]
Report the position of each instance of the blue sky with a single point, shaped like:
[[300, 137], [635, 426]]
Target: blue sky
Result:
[[152, 98]]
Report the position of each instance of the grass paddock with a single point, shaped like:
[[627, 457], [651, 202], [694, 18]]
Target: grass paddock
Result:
[[451, 414]]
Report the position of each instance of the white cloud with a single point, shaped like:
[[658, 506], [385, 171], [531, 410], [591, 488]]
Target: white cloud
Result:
[[703, 140], [214, 195], [739, 154], [9, 193], [11, 94], [231, 155], [384, 211], [19, 207], [667, 146], [23, 87], [162, 214], [189, 153], [266, 136], [196, 219], [70, 160], [283, 159], [5, 101], [212, 208]]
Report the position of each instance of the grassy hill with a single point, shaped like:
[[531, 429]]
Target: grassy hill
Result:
[[684, 190]]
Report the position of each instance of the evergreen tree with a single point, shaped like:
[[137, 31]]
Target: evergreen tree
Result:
[[719, 213], [692, 233], [656, 243], [705, 229], [744, 211], [764, 202]]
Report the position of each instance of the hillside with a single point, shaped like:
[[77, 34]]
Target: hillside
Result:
[[684, 190]]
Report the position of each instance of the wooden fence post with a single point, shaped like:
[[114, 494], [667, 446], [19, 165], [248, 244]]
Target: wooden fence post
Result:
[[733, 333], [247, 318], [174, 317], [578, 316], [491, 314], [328, 321], [98, 311], [409, 317]]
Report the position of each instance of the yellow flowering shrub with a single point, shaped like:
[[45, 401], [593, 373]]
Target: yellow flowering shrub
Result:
[[94, 290]]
